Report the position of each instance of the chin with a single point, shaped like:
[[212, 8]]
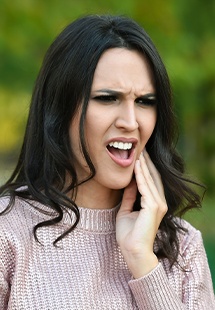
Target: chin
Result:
[[119, 185], [114, 181]]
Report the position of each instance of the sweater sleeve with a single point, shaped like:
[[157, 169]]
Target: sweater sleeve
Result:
[[154, 290], [6, 261], [4, 290]]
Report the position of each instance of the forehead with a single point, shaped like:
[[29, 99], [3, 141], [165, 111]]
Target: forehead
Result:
[[121, 67]]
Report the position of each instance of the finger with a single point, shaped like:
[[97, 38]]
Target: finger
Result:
[[153, 172], [151, 212], [152, 177], [129, 197], [148, 189], [142, 183]]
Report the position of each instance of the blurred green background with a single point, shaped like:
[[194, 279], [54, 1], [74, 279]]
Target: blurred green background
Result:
[[183, 32]]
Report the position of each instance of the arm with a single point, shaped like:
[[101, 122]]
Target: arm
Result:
[[154, 291], [4, 289], [6, 260], [197, 283], [136, 233]]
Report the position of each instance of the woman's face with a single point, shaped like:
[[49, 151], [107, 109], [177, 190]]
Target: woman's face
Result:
[[120, 118]]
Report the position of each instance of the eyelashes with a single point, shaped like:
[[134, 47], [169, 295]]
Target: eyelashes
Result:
[[105, 98], [147, 100]]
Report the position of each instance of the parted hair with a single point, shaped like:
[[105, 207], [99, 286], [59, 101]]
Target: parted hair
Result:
[[63, 86]]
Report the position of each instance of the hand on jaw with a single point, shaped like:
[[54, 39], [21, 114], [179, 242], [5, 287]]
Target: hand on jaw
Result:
[[136, 230]]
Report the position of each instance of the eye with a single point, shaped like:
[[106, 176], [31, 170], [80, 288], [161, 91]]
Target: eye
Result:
[[105, 98], [146, 101]]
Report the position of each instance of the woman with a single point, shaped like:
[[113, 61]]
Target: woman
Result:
[[88, 216]]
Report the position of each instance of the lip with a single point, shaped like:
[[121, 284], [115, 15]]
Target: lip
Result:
[[120, 161]]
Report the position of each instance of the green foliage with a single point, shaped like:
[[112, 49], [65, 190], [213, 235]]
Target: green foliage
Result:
[[182, 30]]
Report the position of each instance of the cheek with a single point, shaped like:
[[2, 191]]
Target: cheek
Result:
[[148, 124], [79, 161], [74, 134], [153, 124], [74, 138], [96, 125]]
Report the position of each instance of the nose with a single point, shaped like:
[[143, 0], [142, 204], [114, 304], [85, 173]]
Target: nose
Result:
[[127, 117]]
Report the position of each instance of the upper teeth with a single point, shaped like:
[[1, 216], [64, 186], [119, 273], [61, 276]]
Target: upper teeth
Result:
[[121, 145]]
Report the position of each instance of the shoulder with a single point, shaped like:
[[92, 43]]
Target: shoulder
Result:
[[12, 215], [190, 239], [4, 202], [17, 223], [12, 208], [188, 231], [191, 249], [17, 218], [22, 210]]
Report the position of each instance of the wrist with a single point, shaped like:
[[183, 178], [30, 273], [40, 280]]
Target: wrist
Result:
[[141, 266]]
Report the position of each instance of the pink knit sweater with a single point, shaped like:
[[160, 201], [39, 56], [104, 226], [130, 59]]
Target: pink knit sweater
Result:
[[87, 270]]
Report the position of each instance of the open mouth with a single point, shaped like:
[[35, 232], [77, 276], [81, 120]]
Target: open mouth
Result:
[[120, 150]]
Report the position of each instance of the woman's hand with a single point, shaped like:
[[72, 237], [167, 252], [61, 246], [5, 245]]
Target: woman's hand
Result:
[[136, 230]]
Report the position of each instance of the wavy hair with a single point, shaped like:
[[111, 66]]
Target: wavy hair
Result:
[[62, 88]]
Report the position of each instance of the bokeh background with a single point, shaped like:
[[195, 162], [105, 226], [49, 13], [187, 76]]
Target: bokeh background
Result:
[[184, 33]]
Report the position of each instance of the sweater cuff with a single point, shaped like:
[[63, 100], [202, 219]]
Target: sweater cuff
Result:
[[153, 291]]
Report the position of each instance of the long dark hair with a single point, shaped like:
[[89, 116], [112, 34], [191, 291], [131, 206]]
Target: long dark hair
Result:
[[62, 88]]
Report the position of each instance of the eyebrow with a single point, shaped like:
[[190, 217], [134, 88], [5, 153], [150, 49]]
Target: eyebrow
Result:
[[109, 92], [151, 96]]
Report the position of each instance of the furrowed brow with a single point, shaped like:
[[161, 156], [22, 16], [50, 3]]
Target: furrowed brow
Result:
[[150, 96], [109, 92]]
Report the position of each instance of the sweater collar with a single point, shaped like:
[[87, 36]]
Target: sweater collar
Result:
[[95, 220]]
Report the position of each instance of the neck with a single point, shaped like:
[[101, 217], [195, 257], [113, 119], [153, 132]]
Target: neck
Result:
[[97, 197]]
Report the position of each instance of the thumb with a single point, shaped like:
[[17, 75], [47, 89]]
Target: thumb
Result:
[[129, 197]]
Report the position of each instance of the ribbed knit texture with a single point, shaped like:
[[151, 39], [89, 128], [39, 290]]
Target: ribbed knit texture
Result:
[[87, 271]]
